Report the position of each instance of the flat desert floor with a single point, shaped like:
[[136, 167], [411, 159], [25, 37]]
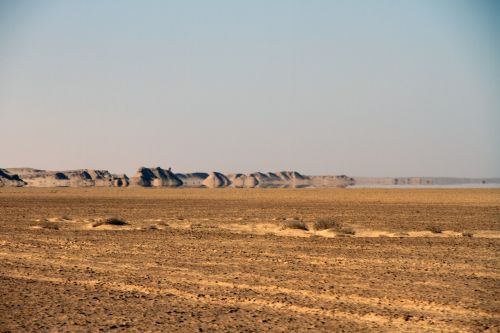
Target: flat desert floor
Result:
[[239, 260]]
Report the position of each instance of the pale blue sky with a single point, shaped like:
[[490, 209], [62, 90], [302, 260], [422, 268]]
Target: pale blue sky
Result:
[[375, 88]]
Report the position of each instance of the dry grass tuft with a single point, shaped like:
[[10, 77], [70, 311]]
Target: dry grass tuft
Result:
[[331, 224], [49, 225], [295, 225], [327, 223], [435, 229], [467, 234], [347, 231]]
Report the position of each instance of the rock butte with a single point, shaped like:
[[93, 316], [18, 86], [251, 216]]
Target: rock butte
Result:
[[159, 177]]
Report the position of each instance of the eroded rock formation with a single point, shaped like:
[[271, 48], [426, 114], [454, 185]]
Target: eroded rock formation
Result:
[[158, 177], [155, 177], [8, 179], [216, 179], [71, 178]]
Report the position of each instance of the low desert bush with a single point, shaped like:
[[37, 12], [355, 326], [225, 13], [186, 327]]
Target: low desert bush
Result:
[[327, 223], [467, 234], [435, 229], [347, 231], [110, 221], [295, 225], [49, 225]]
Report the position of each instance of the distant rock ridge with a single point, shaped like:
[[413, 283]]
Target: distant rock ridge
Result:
[[8, 179], [417, 181], [159, 177], [216, 179], [155, 177], [71, 178]]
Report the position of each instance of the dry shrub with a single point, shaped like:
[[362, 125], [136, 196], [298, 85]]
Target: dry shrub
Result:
[[327, 223], [331, 224], [110, 221], [467, 234], [347, 231], [435, 229], [49, 225], [295, 225]]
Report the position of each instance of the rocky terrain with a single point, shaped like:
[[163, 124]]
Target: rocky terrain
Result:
[[159, 177]]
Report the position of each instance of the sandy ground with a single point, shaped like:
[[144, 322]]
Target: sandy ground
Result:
[[200, 260]]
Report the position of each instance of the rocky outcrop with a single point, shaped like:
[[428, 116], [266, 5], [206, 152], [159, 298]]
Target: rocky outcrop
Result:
[[240, 180], [271, 179], [332, 181], [71, 178], [194, 179], [7, 179], [418, 181], [158, 177], [155, 177], [216, 179]]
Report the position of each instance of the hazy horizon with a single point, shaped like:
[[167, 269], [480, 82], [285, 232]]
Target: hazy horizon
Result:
[[367, 88]]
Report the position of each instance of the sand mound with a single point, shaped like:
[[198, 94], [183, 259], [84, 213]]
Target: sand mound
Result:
[[155, 177]]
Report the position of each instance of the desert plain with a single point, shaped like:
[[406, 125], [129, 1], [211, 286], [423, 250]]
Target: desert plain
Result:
[[249, 260]]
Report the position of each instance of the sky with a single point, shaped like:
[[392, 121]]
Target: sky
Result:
[[363, 88]]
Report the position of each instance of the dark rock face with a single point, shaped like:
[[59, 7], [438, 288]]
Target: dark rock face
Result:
[[155, 177], [8, 179]]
